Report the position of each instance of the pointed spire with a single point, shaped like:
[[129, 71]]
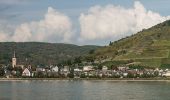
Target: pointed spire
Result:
[[14, 53]]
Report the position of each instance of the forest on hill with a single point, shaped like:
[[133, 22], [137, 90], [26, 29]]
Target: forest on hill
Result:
[[37, 53]]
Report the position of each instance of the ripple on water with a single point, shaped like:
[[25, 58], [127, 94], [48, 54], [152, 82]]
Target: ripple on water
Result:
[[83, 90]]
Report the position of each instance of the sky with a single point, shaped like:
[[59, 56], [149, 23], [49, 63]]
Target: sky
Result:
[[81, 22]]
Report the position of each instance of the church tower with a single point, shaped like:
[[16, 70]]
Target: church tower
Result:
[[14, 61]]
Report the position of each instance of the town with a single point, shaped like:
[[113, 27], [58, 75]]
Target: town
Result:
[[86, 71]]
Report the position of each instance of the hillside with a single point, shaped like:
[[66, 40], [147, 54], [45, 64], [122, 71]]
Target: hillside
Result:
[[150, 47], [41, 53]]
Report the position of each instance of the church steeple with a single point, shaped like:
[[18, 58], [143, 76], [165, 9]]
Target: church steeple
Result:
[[14, 60], [14, 55]]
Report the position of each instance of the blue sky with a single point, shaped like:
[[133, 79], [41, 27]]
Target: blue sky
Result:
[[14, 13], [34, 9]]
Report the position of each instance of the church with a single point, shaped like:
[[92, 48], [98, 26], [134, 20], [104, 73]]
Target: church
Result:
[[14, 62]]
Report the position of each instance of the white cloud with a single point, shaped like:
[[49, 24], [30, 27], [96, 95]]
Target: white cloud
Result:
[[3, 37], [98, 25], [109, 22], [55, 27]]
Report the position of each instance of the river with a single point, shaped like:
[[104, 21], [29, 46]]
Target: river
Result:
[[84, 90]]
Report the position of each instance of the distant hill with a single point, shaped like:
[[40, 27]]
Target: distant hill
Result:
[[149, 47], [38, 53]]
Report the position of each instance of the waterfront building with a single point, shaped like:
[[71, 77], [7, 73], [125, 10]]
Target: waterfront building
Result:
[[77, 70], [66, 69], [87, 68], [125, 74], [77, 73], [166, 74], [26, 72], [40, 69], [55, 69], [123, 68], [104, 68]]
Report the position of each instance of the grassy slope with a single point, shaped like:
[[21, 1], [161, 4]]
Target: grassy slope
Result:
[[150, 47]]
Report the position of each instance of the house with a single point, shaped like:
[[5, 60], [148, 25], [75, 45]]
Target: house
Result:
[[77, 72], [8, 74], [104, 68], [123, 68], [125, 74], [26, 72], [140, 72], [160, 72], [166, 74], [39, 69], [105, 71], [87, 68], [132, 73], [66, 69], [55, 69]]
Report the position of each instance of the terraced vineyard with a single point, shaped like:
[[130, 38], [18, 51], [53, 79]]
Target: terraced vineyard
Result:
[[150, 47]]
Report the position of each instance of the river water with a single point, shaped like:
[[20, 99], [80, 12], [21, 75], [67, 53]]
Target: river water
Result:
[[84, 90]]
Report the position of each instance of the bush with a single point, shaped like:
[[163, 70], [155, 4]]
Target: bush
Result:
[[70, 75], [82, 76]]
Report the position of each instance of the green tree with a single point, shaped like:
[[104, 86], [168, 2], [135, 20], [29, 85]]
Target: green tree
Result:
[[69, 62], [70, 75], [100, 67], [89, 58], [2, 72], [110, 44], [18, 71], [77, 60], [40, 74], [91, 51], [82, 75], [9, 68]]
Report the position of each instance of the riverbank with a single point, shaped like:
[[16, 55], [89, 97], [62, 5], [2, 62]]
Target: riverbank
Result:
[[90, 79]]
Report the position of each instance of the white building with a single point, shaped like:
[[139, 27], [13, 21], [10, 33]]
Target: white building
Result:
[[26, 72], [125, 74], [66, 69], [104, 68], [77, 70], [87, 68], [55, 69], [123, 68], [39, 69], [166, 74]]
